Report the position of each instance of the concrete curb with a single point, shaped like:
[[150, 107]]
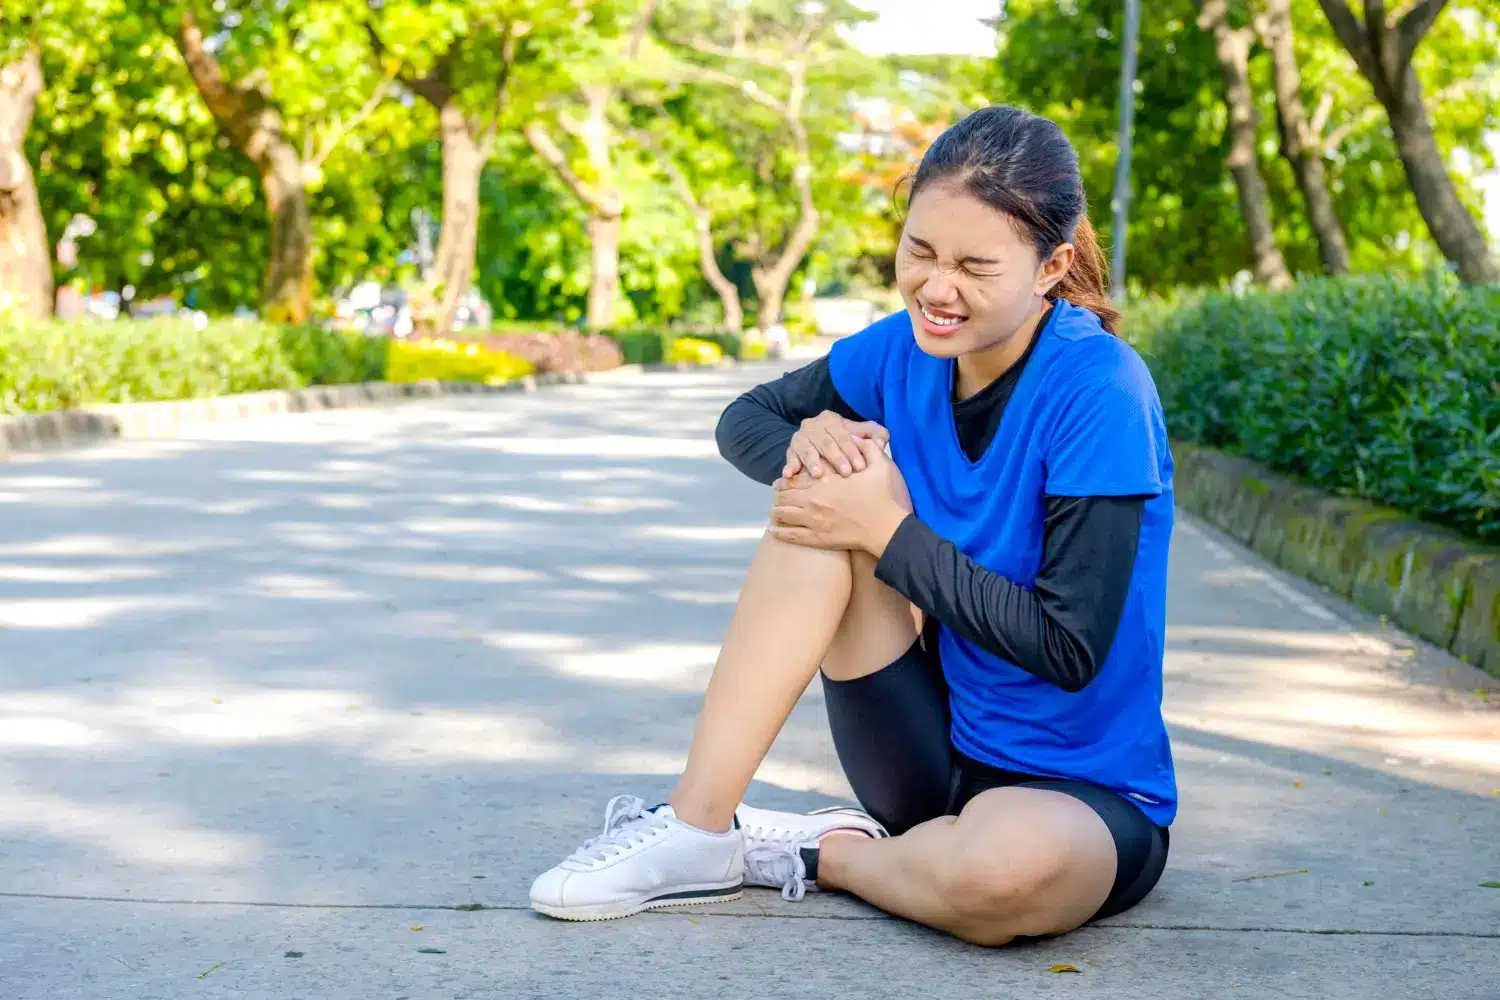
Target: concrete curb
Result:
[[75, 428], [1427, 580]]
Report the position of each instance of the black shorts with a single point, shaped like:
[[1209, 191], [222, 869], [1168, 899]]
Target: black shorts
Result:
[[891, 730]]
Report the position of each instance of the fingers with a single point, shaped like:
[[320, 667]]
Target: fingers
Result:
[[807, 455], [868, 428], [836, 448], [872, 451], [793, 464]]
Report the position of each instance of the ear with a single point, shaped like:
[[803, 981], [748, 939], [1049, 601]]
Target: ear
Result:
[[1054, 269]]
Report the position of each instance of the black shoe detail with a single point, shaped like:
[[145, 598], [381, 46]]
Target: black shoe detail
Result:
[[810, 860], [701, 893]]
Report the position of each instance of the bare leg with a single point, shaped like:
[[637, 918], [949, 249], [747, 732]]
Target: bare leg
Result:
[[1017, 861], [799, 609]]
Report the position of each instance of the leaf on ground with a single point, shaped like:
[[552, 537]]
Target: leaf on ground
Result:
[[693, 921], [471, 907], [1327, 770], [416, 927], [431, 951], [218, 701], [1489, 885], [354, 708], [1251, 878], [292, 954], [1296, 784], [211, 968], [1369, 883], [1066, 968]]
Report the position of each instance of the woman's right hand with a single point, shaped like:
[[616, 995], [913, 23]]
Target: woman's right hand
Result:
[[829, 438]]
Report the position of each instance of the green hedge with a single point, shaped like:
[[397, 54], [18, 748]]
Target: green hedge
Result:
[[1369, 387], [649, 345], [48, 366]]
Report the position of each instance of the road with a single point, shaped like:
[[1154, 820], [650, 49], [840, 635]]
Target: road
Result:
[[276, 700]]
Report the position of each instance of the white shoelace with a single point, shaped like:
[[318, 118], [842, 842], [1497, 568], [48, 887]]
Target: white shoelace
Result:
[[626, 824], [776, 857]]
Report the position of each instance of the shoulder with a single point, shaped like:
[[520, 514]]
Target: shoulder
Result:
[[874, 346], [1090, 359]]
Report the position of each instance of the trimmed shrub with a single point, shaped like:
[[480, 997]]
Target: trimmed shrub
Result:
[[697, 351], [450, 361], [56, 365], [564, 351], [1369, 387]]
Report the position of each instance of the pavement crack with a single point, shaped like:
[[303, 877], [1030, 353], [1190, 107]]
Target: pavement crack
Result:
[[760, 914]]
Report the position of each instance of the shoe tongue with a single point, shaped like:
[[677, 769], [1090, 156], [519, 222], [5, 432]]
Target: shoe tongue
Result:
[[663, 810]]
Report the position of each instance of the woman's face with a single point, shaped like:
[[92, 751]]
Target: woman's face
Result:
[[969, 279]]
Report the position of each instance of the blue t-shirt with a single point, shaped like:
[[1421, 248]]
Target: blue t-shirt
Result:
[[1084, 420]]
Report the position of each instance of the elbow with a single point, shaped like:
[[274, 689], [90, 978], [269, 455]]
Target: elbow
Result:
[[724, 430], [1077, 666]]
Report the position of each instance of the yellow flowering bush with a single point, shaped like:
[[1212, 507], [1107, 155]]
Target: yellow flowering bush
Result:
[[692, 349], [450, 361]]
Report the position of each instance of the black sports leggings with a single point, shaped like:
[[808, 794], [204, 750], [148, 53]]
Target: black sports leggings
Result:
[[891, 730]]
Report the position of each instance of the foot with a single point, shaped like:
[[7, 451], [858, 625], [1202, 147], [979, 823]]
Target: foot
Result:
[[781, 848], [644, 859]]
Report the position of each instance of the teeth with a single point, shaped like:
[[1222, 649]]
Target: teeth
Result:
[[943, 320]]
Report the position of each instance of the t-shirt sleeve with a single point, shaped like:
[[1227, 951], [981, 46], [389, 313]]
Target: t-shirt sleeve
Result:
[[1110, 437], [859, 363]]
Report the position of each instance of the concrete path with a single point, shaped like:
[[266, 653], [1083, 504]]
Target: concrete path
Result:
[[278, 703]]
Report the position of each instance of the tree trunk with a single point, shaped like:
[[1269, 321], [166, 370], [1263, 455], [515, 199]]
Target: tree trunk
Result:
[[729, 295], [463, 164], [1232, 46], [771, 284], [1298, 144], [25, 257], [1455, 230], [287, 295], [604, 273], [255, 127], [1383, 52]]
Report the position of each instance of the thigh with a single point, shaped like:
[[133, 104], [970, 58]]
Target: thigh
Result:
[[890, 728], [1140, 845], [1043, 860]]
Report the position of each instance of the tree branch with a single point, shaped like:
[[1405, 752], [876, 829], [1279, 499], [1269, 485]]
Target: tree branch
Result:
[[744, 85], [341, 129], [1414, 25], [1320, 115], [1348, 28], [638, 30], [224, 101], [507, 60], [540, 140], [739, 53]]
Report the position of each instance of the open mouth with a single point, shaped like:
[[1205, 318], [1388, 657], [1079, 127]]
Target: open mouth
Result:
[[938, 321]]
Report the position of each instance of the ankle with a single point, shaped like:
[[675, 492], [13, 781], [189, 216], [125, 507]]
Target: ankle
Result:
[[833, 851], [701, 816]]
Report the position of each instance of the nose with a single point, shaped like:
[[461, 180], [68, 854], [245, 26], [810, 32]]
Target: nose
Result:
[[939, 289]]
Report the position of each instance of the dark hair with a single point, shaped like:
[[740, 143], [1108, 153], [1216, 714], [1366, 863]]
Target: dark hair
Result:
[[1022, 165]]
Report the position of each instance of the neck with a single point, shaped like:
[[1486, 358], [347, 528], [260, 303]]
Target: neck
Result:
[[979, 368]]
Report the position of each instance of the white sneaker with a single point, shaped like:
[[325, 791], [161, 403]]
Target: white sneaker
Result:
[[781, 848], [644, 859]]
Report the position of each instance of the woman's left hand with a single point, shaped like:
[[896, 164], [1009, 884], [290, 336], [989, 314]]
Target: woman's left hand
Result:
[[861, 511]]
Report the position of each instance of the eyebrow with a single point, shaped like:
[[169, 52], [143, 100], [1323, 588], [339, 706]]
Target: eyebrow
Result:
[[967, 260]]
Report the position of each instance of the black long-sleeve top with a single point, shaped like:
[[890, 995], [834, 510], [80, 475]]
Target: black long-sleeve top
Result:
[[1061, 628]]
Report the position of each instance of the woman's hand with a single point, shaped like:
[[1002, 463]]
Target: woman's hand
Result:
[[830, 438], [859, 511]]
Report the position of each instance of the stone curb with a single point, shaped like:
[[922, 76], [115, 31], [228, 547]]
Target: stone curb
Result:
[[1426, 580], [75, 428]]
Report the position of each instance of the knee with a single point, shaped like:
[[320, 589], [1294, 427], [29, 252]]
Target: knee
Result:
[[994, 896]]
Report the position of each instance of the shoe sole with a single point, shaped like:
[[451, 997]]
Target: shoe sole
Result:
[[614, 911]]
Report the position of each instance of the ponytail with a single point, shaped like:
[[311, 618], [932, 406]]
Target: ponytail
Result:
[[1085, 283]]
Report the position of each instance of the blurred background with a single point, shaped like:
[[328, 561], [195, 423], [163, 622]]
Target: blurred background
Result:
[[220, 195]]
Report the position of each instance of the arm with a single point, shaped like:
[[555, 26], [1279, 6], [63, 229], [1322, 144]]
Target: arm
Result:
[[755, 430], [1061, 629]]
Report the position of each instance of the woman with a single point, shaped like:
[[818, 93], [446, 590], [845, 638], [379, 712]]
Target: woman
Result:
[[986, 604]]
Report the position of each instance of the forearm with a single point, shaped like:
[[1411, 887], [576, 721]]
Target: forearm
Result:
[[1059, 630]]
